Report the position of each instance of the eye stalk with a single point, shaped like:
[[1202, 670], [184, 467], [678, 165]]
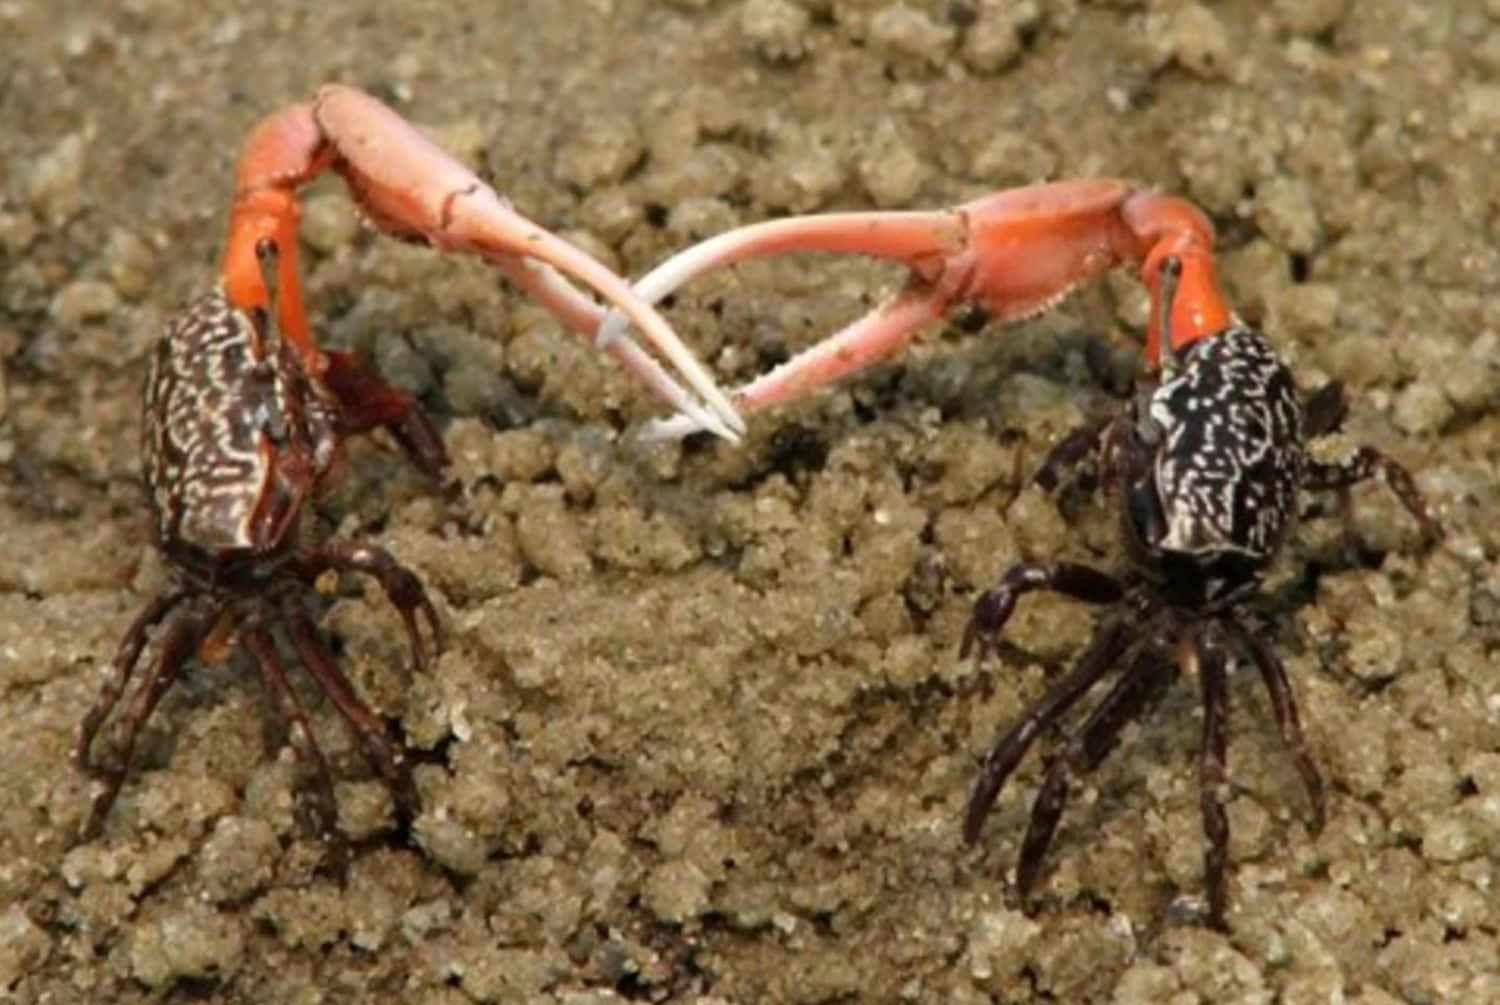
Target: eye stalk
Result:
[[267, 254], [1171, 274]]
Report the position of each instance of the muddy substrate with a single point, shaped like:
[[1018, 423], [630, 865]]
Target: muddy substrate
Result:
[[701, 732]]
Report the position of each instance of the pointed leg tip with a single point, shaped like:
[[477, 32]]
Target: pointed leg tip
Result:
[[971, 830]]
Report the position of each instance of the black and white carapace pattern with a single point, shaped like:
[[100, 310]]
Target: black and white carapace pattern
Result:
[[1229, 455], [238, 436], [228, 409]]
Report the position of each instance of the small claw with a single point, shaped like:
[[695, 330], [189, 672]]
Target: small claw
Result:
[[367, 400]]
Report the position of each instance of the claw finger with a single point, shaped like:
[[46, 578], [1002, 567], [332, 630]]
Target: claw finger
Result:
[[489, 209], [634, 359]]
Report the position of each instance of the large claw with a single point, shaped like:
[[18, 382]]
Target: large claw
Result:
[[1015, 252], [410, 187]]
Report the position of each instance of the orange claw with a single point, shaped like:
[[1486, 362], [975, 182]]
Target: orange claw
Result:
[[409, 187], [1015, 252]]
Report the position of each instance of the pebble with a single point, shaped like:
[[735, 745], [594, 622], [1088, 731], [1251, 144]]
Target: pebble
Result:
[[905, 32], [1193, 37], [709, 170], [583, 463], [994, 40], [510, 975], [676, 891], [22, 945], [329, 222], [602, 154], [1308, 17], [130, 262], [238, 858], [610, 212], [776, 29], [520, 455], [17, 231], [398, 362], [84, 300], [1473, 384], [451, 844], [1476, 112], [999, 947], [1306, 312], [1448, 838], [1146, 983], [1285, 213], [694, 220], [804, 175], [193, 941], [55, 185], [465, 140], [1421, 408], [549, 535], [892, 171], [1011, 157]]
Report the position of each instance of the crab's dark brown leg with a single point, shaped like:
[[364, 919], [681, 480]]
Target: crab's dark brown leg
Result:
[[1131, 694], [321, 809], [389, 757], [994, 607], [401, 585], [1212, 773], [182, 638], [1107, 645], [120, 671], [1364, 463], [1288, 722]]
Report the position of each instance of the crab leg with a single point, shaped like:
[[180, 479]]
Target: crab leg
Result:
[[1014, 252], [412, 189]]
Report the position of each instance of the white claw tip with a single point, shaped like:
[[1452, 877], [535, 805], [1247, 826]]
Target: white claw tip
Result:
[[610, 328], [684, 424]]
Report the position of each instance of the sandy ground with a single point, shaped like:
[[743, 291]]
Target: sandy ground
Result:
[[701, 733]]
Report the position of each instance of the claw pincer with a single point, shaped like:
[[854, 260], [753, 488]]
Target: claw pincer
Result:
[[410, 188], [1016, 253]]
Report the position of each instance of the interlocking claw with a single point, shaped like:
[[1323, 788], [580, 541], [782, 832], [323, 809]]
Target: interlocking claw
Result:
[[1015, 252]]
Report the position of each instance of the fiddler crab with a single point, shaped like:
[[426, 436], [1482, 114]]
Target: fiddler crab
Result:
[[245, 419], [1205, 465]]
